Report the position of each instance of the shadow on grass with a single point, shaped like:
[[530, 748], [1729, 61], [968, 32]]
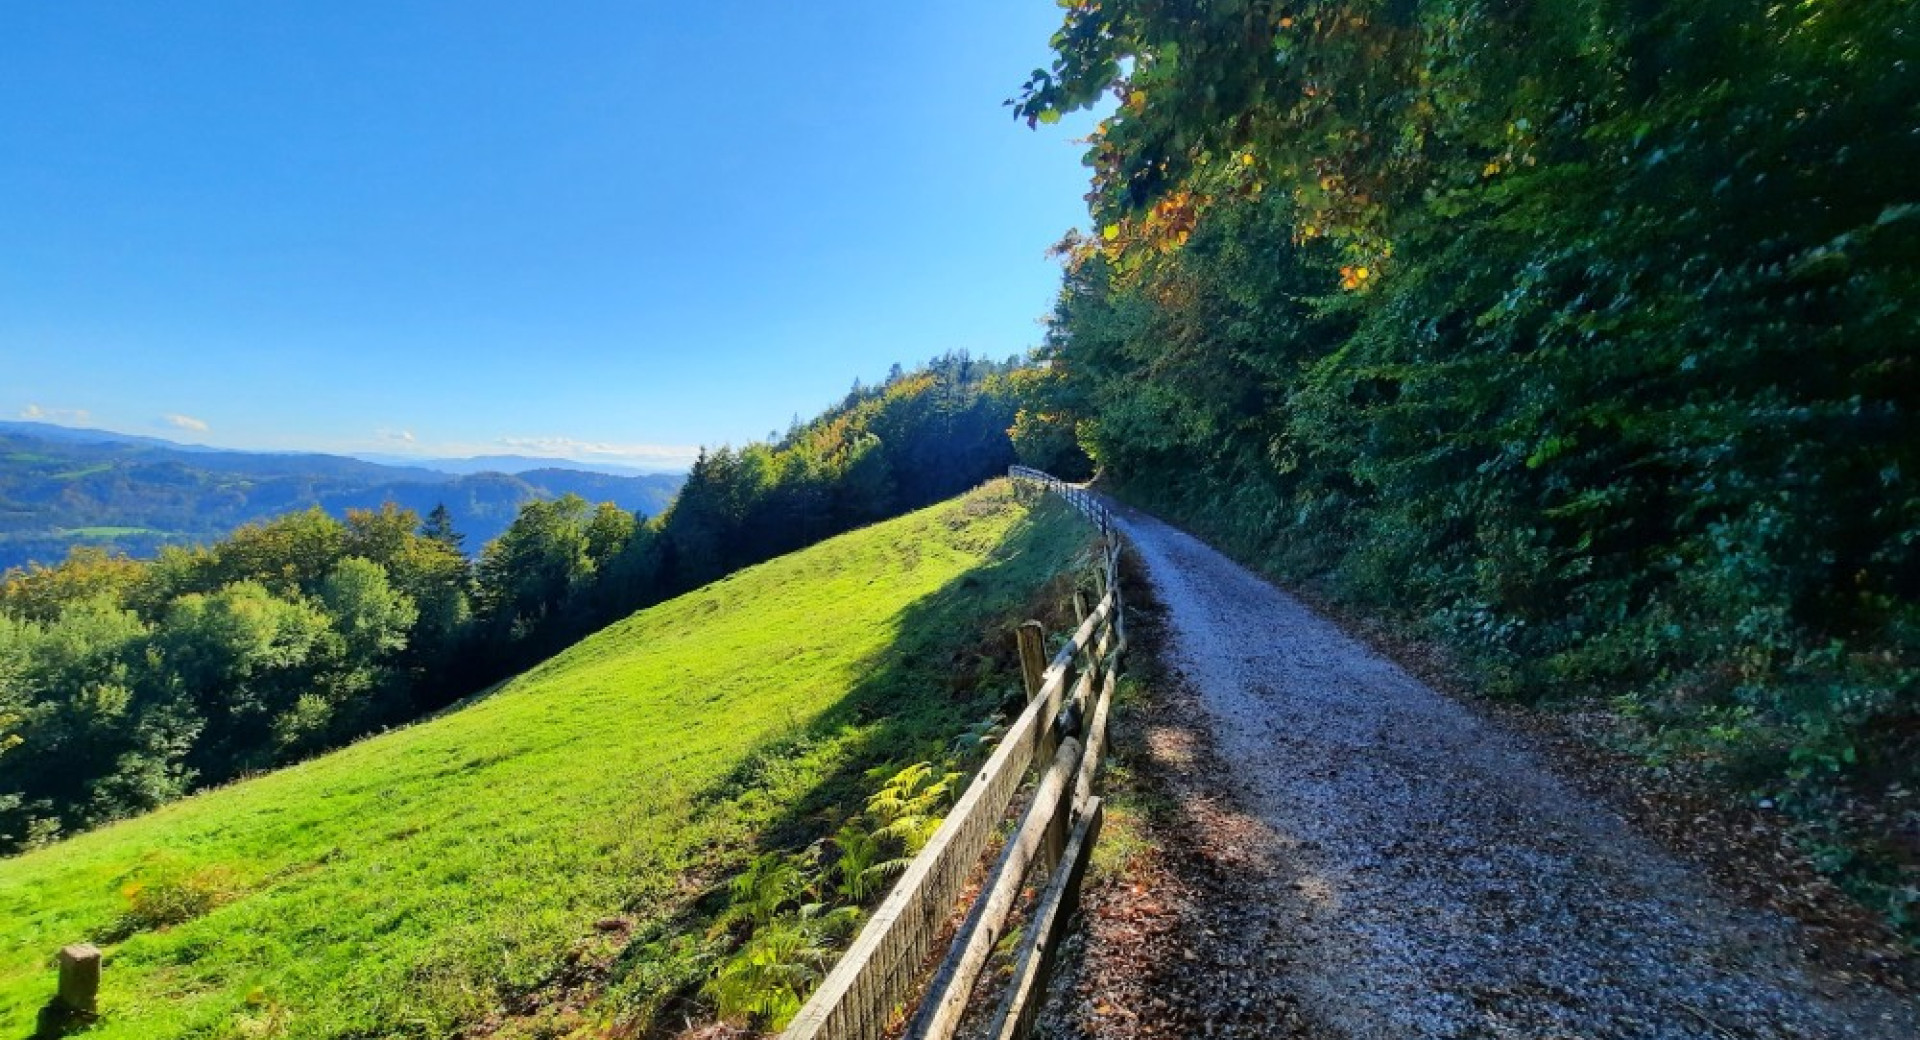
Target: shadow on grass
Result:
[[952, 664]]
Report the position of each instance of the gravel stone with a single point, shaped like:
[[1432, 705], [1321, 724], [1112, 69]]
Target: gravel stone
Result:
[[1389, 864]]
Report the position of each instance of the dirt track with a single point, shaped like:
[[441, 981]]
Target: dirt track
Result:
[[1359, 856]]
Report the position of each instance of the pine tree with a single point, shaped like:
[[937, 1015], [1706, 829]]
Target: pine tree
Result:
[[439, 528]]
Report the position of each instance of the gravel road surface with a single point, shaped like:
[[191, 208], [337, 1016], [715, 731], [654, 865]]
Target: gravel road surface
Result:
[[1396, 866]]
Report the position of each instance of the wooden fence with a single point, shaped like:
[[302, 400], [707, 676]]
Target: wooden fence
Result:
[[1062, 732]]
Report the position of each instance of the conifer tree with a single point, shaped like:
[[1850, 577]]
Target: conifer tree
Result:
[[439, 528]]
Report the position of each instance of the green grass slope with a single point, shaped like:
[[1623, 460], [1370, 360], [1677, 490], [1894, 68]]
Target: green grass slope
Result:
[[423, 880]]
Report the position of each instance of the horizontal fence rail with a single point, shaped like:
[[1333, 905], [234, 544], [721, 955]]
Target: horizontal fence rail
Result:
[[1062, 733]]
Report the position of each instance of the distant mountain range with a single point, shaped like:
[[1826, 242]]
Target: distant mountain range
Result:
[[507, 464], [61, 486]]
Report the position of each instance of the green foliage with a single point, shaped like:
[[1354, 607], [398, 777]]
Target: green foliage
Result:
[[769, 978], [1578, 332], [439, 527], [907, 807], [920, 437], [1044, 433], [13, 699], [170, 895], [862, 863], [801, 907], [370, 616], [130, 497], [530, 572], [414, 882], [133, 681], [300, 632]]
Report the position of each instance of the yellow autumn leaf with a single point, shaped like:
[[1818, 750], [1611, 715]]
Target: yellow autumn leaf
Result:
[[1110, 232]]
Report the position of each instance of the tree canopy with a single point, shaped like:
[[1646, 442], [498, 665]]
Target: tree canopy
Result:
[[1580, 332], [125, 683]]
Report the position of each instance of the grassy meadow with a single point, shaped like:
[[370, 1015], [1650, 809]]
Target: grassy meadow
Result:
[[565, 832]]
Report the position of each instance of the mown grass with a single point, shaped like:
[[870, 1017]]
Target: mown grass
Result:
[[422, 880]]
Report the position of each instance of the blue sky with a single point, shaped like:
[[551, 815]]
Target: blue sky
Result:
[[612, 232]]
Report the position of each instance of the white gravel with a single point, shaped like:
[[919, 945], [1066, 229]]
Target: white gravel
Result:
[[1421, 873]]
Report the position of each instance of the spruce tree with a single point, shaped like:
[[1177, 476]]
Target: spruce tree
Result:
[[439, 528]]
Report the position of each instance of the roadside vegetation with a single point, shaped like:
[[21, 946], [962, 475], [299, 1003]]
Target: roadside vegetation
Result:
[[1578, 335], [564, 850], [127, 683]]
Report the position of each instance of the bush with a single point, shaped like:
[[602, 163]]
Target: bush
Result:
[[170, 897]]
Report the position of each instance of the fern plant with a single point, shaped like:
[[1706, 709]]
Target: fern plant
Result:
[[978, 740], [770, 883], [770, 976], [782, 899], [908, 807], [861, 855]]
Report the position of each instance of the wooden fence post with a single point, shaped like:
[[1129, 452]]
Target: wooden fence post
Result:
[[1089, 661], [1033, 655]]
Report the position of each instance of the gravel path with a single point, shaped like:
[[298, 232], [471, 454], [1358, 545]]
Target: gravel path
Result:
[[1399, 867]]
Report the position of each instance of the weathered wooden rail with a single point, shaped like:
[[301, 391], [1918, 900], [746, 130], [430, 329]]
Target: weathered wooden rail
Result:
[[1062, 732]]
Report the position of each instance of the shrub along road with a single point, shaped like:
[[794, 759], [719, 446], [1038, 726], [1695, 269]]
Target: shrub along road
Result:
[[1345, 852]]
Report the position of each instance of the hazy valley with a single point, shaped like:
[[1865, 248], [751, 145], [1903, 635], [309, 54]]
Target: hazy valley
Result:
[[61, 487]]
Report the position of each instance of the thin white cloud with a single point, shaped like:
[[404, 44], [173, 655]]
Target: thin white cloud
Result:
[[35, 413], [397, 436], [573, 448], [185, 422]]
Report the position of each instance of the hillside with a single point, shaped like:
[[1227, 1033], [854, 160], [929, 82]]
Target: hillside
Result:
[[61, 487], [420, 881]]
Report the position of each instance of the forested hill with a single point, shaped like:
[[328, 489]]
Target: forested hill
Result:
[[423, 880], [1581, 334], [61, 487], [126, 683]]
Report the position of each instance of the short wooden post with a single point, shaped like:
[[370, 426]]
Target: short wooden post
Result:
[[1088, 662], [1033, 655], [80, 977]]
